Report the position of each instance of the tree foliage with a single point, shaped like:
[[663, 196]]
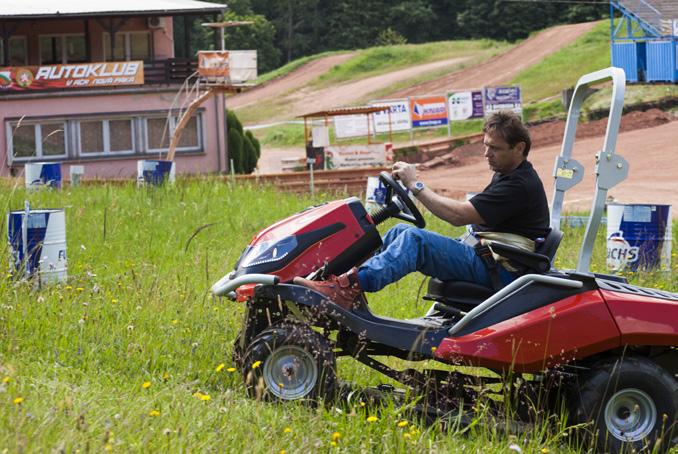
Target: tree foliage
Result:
[[243, 148], [288, 29]]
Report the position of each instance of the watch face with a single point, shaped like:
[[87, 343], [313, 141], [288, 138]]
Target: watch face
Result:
[[418, 186]]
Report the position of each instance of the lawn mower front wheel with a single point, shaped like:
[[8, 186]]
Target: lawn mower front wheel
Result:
[[290, 362]]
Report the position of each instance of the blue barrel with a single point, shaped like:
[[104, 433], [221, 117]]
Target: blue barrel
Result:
[[37, 242], [155, 171], [638, 237], [42, 174]]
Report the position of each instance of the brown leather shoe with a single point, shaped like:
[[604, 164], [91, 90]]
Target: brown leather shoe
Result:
[[343, 290]]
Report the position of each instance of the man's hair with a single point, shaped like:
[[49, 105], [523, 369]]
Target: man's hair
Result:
[[510, 128]]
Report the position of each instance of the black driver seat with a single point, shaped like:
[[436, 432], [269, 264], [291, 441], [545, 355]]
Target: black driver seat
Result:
[[465, 295]]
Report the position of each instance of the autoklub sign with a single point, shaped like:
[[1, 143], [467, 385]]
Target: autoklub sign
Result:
[[105, 74]]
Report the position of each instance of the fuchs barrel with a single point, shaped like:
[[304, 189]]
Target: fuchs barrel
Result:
[[638, 237], [155, 172], [375, 196], [43, 174], [37, 241]]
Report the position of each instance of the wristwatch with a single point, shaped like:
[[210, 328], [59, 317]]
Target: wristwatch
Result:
[[417, 187]]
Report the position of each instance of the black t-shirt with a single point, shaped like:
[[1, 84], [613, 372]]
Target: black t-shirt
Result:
[[514, 203]]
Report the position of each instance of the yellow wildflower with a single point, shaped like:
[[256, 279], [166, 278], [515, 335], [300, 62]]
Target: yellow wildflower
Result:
[[402, 423], [545, 450], [362, 404], [175, 321], [114, 301], [18, 400], [165, 376], [282, 451], [220, 367], [333, 444], [201, 396], [154, 413], [108, 447], [6, 379], [146, 385], [433, 349], [68, 287], [372, 419], [80, 289], [256, 364], [336, 436], [287, 430], [231, 369]]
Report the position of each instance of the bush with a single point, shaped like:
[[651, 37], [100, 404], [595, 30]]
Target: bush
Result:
[[243, 148]]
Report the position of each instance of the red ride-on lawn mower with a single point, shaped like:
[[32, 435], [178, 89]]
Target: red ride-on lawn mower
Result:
[[606, 346]]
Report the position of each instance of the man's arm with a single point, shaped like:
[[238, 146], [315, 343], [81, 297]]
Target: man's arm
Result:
[[452, 211]]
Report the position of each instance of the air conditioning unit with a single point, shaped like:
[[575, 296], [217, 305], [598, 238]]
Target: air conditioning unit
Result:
[[156, 22]]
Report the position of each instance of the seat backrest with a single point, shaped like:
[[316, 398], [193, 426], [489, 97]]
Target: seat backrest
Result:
[[550, 246]]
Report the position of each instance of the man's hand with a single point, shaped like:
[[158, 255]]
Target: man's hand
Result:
[[407, 173]]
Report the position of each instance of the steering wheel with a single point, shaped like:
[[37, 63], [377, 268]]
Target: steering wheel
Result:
[[411, 212]]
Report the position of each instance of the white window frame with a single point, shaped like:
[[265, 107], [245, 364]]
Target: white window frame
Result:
[[64, 51], [3, 51], [127, 43], [172, 126], [9, 129], [106, 136]]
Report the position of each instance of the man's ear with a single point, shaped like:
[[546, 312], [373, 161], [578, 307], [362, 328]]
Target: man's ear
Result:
[[520, 146]]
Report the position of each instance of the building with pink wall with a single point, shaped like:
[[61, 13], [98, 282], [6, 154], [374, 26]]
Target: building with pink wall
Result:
[[99, 86]]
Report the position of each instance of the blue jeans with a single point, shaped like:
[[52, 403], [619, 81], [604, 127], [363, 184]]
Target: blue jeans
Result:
[[407, 249]]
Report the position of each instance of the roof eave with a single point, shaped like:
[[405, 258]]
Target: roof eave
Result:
[[169, 12]]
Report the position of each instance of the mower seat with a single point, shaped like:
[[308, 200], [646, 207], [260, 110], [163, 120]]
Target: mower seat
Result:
[[465, 296]]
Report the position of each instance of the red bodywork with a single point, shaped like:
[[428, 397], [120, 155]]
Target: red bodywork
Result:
[[573, 328], [321, 252]]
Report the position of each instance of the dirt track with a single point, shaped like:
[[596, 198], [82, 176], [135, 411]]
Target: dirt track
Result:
[[652, 155], [507, 65], [502, 68]]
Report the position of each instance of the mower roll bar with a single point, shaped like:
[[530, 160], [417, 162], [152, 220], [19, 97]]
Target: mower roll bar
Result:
[[225, 285], [515, 286], [611, 169]]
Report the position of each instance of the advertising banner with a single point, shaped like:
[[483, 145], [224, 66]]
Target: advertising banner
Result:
[[106, 74], [352, 126], [213, 63], [346, 156], [399, 116], [465, 105], [503, 98], [428, 111]]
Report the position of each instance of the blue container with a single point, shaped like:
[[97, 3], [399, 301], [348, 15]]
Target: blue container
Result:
[[155, 172], [37, 241], [638, 237], [625, 56], [43, 174], [661, 61]]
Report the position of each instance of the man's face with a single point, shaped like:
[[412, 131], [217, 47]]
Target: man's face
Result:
[[500, 156]]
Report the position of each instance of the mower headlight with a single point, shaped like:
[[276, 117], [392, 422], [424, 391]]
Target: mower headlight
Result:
[[268, 251]]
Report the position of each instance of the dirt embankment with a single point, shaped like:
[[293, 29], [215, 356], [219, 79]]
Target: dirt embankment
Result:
[[551, 132]]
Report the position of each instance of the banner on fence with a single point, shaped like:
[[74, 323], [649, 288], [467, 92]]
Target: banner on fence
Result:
[[106, 74], [428, 111], [346, 156], [398, 115], [352, 126], [503, 98], [465, 105]]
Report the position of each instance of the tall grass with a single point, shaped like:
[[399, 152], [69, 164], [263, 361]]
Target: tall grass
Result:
[[127, 355]]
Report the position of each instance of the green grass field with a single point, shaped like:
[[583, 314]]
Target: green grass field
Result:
[[132, 354]]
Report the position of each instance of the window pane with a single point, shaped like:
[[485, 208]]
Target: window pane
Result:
[[120, 132], [75, 48], [91, 137], [158, 133], [140, 45], [189, 136], [17, 51], [50, 49], [53, 139], [23, 141], [119, 47]]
